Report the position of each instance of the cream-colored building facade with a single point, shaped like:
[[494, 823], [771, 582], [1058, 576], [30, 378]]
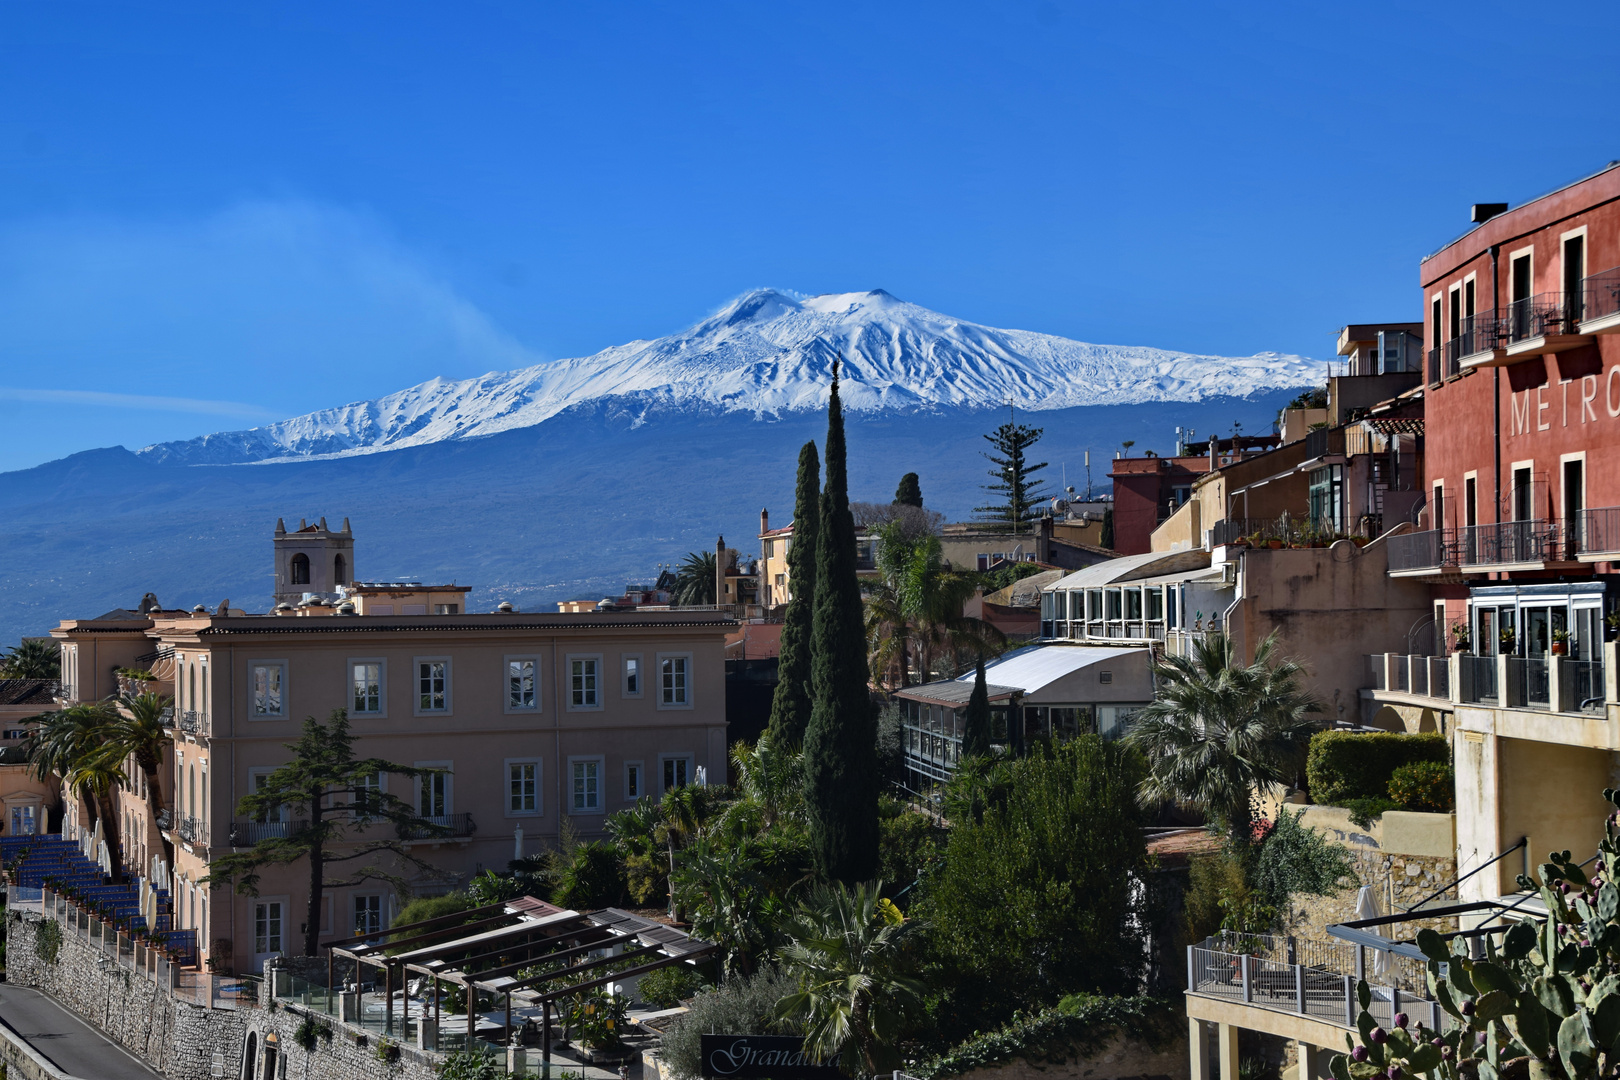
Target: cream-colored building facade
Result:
[[534, 719]]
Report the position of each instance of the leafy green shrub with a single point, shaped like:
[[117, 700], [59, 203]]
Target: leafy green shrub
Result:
[[909, 845], [1353, 765], [1297, 860], [476, 1064], [594, 878], [48, 941], [669, 986], [1424, 785], [1363, 812], [739, 1006], [423, 908], [1077, 1029]]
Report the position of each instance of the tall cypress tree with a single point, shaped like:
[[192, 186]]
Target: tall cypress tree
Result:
[[909, 493], [976, 717], [790, 708], [840, 746]]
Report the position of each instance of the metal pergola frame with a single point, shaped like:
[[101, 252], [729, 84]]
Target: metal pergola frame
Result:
[[511, 938]]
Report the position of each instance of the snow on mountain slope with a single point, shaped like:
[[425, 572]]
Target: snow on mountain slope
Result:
[[768, 353]]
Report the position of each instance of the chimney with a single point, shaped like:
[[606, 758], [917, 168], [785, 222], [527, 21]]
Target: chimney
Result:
[[764, 522]]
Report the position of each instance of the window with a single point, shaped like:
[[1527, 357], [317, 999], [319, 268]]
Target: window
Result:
[[634, 784], [522, 787], [300, 569], [586, 794], [23, 820], [582, 682], [632, 676], [267, 684], [522, 684], [446, 609], [267, 927], [367, 916], [366, 679], [413, 609], [983, 560], [259, 780], [340, 571], [433, 685], [367, 792], [672, 687], [677, 772], [433, 792]]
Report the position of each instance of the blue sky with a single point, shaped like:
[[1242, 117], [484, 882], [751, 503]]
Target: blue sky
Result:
[[216, 215]]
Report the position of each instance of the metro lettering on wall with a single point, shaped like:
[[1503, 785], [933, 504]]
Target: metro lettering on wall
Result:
[[777, 1057], [1532, 405]]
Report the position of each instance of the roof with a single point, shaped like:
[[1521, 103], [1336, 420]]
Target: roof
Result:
[[1025, 592], [954, 692], [26, 691], [1395, 425], [1132, 567], [754, 641], [1034, 666]]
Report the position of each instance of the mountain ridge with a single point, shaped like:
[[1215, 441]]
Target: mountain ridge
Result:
[[766, 353]]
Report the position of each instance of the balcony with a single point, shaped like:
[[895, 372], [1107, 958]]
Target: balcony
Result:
[[1509, 545], [1477, 344], [193, 722], [191, 829], [248, 833], [1600, 303], [446, 827], [1544, 323], [1478, 680], [1596, 536], [1320, 987], [1419, 676], [1422, 553]]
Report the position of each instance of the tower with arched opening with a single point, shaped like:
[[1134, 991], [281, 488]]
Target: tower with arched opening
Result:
[[312, 559]]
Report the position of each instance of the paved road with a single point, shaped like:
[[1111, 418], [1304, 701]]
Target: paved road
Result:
[[74, 1046]]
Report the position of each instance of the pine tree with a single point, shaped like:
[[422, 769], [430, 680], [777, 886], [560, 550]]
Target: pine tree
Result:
[[332, 796], [790, 708], [840, 746], [1013, 484], [909, 493], [976, 718]]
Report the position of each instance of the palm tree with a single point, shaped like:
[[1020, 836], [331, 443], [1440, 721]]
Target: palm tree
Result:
[[1219, 731], [71, 744], [915, 608], [851, 952], [136, 731], [769, 781], [33, 659], [695, 580]]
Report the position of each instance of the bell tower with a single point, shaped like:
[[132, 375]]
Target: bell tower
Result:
[[312, 559]]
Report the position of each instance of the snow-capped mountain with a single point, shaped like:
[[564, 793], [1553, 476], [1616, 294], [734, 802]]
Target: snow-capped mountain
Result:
[[767, 353]]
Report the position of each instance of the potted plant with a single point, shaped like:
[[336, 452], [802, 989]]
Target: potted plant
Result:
[[1508, 639], [1560, 642], [1461, 640], [1274, 543], [1611, 625]]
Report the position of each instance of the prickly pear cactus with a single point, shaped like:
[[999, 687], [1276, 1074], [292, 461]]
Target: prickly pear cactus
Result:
[[1542, 1005]]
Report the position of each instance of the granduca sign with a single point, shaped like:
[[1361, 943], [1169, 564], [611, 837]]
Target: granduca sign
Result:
[[768, 1057]]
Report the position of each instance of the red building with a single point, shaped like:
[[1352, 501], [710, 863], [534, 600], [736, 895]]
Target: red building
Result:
[[1147, 490], [1523, 457]]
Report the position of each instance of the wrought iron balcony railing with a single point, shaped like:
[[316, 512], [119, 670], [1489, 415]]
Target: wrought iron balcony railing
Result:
[[444, 826], [248, 833]]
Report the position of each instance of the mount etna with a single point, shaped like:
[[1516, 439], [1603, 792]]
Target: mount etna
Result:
[[575, 477]]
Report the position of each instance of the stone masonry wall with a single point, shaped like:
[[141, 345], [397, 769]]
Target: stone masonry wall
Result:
[[181, 1040], [1123, 1058]]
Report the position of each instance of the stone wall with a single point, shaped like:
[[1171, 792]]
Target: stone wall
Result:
[[182, 1040]]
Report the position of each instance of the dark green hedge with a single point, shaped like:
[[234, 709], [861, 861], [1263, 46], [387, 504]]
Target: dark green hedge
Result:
[[1354, 765], [1078, 1028]]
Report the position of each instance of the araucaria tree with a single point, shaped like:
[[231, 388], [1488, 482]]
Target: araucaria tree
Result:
[[790, 708], [1013, 485], [328, 793], [840, 746]]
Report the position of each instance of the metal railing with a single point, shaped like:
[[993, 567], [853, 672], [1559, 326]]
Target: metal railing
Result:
[[1477, 675], [1600, 294], [192, 722], [1529, 684], [1544, 314], [1425, 676], [1585, 679], [1598, 532], [1289, 528], [1507, 542], [445, 825], [248, 833], [1299, 988], [191, 829], [1428, 550]]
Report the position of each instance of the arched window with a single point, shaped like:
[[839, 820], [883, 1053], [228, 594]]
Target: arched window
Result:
[[191, 685], [249, 1065], [300, 569], [191, 793], [340, 571]]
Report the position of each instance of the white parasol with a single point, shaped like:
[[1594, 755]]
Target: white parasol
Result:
[[1367, 908]]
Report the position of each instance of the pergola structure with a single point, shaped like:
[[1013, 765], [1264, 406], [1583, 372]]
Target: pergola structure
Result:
[[495, 948]]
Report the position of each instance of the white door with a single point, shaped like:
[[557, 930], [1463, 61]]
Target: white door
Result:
[[269, 931]]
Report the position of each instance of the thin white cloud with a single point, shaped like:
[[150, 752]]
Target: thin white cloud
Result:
[[137, 401]]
